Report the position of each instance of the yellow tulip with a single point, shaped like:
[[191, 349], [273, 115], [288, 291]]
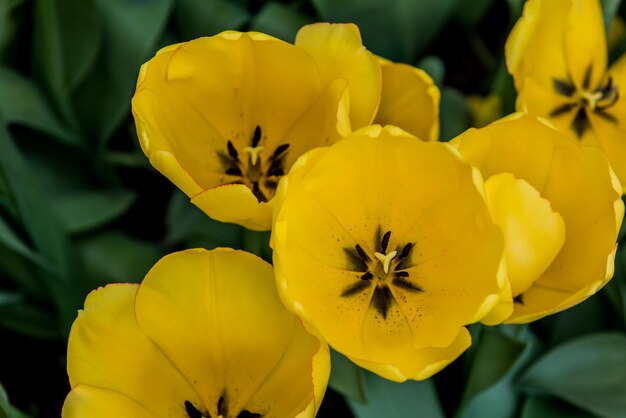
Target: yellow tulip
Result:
[[204, 335], [384, 246], [225, 117], [559, 207], [557, 54]]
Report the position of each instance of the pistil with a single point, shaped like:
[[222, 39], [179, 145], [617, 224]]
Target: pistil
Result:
[[386, 259]]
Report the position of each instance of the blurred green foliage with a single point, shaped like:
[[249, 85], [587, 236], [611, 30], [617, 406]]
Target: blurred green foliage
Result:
[[81, 207]]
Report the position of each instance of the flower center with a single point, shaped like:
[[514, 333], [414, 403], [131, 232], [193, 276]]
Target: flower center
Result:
[[585, 101], [376, 271], [222, 411], [258, 173]]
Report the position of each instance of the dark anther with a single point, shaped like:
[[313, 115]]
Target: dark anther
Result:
[[355, 288], [276, 172], [558, 111], [519, 299], [401, 274], [403, 283], [271, 184], [256, 137], [406, 250], [564, 88], [220, 407], [385, 242], [367, 276], [580, 123], [234, 171], [382, 300], [192, 411], [232, 151], [587, 77], [279, 150], [361, 253], [247, 414], [606, 116], [260, 197], [357, 262]]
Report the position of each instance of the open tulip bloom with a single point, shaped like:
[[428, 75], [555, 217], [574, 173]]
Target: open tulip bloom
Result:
[[204, 335], [557, 54], [225, 117], [559, 207], [384, 246]]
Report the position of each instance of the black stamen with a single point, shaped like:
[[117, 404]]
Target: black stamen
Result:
[[385, 242], [279, 150], [192, 411], [519, 299], [406, 250], [232, 151], [247, 414], [278, 172], [382, 300], [558, 111], [355, 288], [378, 239], [256, 137], [564, 88], [355, 259], [401, 274], [271, 184], [367, 276], [605, 116], [258, 193], [234, 171], [403, 283], [361, 253], [220, 406], [587, 78], [613, 99], [580, 123]]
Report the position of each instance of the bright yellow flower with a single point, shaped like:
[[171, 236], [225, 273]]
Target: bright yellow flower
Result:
[[557, 55], [384, 246], [204, 335], [559, 207], [381, 91], [225, 117]]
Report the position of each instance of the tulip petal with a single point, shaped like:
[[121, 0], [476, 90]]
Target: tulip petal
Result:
[[85, 401], [222, 324], [410, 100], [339, 53], [534, 233], [106, 343]]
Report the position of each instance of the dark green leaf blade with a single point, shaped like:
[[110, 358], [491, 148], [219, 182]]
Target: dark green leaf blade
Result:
[[589, 372], [346, 377], [397, 400]]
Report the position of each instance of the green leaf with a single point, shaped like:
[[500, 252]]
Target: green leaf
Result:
[[22, 102], [396, 29], [434, 67], [397, 400], [280, 21], [346, 377], [9, 238], [196, 18], [41, 224], [609, 10], [455, 116], [29, 319], [112, 256], [131, 29], [6, 409], [489, 392], [66, 40], [85, 210], [469, 13], [8, 25], [587, 372], [188, 225], [544, 407]]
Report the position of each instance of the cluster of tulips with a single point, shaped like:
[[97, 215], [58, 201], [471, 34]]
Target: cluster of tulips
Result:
[[386, 243]]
